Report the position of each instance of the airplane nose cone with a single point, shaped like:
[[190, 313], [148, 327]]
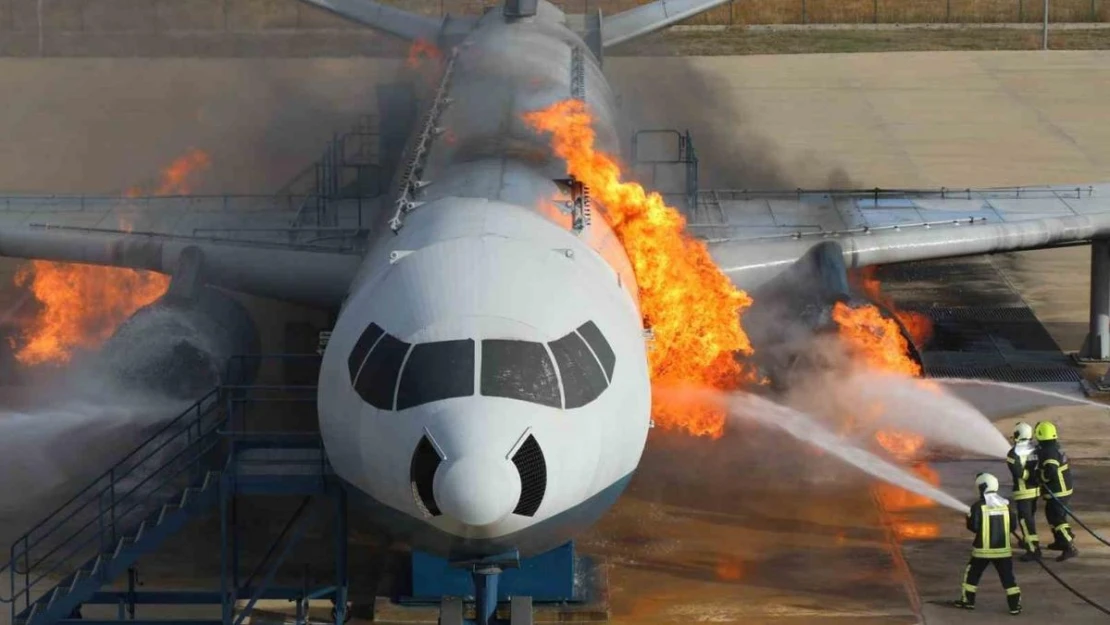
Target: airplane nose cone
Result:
[[477, 490]]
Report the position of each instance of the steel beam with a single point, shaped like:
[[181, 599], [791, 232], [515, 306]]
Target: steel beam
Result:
[[301, 523], [1097, 345], [69, 621], [340, 555], [187, 597]]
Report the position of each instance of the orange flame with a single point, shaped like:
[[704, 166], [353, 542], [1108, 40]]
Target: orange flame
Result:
[[914, 530], [875, 339], [895, 499], [919, 326], [176, 177], [879, 343], [81, 305], [691, 306], [905, 447], [420, 50], [729, 569]]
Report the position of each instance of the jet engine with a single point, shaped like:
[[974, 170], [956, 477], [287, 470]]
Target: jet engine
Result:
[[791, 309], [181, 346]]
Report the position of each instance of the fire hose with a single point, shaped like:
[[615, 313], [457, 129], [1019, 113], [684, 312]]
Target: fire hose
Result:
[[1053, 574]]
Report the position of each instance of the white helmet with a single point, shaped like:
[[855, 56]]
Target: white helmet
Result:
[[1023, 432], [986, 483]]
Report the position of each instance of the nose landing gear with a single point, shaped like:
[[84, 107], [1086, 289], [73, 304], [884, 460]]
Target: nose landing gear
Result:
[[486, 573]]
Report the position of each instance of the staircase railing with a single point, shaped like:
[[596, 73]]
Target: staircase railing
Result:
[[91, 522]]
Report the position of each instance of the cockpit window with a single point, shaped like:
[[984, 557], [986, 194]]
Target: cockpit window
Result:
[[597, 342], [519, 370], [378, 377], [365, 343], [579, 373], [583, 378], [436, 371]]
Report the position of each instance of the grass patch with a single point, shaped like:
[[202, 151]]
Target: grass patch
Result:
[[741, 42]]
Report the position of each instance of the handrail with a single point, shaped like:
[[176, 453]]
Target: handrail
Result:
[[119, 516], [105, 519], [112, 506], [1057, 191], [195, 407]]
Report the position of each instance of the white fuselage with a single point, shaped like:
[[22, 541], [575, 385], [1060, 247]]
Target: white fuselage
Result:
[[498, 397]]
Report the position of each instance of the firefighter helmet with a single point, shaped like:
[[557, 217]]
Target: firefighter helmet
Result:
[[1023, 431], [986, 483], [1045, 431]]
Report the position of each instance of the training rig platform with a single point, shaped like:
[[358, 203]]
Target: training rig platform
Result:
[[210, 460]]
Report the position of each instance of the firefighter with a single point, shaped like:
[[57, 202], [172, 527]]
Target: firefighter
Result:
[[1022, 460], [1056, 488], [992, 520]]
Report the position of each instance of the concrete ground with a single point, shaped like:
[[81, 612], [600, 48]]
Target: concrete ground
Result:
[[752, 528]]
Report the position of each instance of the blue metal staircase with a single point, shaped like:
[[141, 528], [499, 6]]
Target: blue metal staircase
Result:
[[196, 462]]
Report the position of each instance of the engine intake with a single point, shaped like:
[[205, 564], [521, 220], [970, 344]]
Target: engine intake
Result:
[[181, 347], [796, 305]]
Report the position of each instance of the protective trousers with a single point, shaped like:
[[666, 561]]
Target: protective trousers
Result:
[[1058, 520], [1005, 568], [1027, 519]]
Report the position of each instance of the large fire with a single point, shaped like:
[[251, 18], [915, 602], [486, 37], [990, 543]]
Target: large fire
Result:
[[919, 326], [81, 305], [691, 306], [878, 343], [875, 339]]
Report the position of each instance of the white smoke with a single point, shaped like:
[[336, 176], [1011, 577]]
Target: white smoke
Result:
[[75, 424], [850, 397], [878, 401]]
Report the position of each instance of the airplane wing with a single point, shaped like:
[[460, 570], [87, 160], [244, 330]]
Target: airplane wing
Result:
[[754, 236], [619, 28], [648, 18], [390, 19], [255, 245]]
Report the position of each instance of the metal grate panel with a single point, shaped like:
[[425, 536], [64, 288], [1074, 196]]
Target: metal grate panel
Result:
[[422, 474], [1006, 373], [530, 463], [1005, 314]]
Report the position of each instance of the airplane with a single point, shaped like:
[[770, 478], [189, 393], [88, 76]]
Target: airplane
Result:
[[485, 388]]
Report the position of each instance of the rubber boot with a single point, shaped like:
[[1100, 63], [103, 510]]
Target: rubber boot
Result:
[[1068, 554], [1031, 556], [1014, 602], [966, 602]]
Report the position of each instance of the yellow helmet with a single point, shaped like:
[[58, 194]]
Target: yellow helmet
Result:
[[1022, 432], [1045, 431], [986, 483]]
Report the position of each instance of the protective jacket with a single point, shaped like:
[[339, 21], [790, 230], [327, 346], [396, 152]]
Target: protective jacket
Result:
[[1053, 471], [1022, 461], [991, 519]]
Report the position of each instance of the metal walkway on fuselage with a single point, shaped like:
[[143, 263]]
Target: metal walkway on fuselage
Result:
[[197, 463]]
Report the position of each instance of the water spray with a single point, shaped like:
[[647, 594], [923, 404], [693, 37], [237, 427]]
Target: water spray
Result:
[[807, 429]]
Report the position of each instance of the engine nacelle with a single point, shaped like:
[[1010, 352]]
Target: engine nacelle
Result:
[[796, 305], [181, 346]]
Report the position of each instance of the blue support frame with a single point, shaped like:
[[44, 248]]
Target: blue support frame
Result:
[[547, 578]]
